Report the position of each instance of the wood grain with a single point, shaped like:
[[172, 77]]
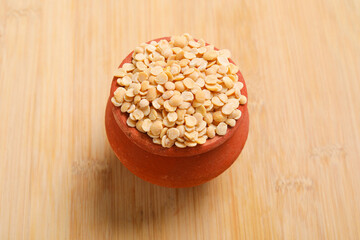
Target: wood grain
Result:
[[297, 178]]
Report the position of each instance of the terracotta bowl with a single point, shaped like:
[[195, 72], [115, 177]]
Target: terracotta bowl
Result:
[[173, 167]]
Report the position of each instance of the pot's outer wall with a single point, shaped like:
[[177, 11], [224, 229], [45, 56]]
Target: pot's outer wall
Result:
[[174, 167]]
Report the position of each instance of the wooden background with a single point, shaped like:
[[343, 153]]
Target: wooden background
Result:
[[297, 178]]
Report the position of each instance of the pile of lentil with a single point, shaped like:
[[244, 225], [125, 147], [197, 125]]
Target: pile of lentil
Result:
[[179, 92]]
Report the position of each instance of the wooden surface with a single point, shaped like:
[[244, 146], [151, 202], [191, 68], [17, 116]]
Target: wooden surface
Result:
[[297, 178]]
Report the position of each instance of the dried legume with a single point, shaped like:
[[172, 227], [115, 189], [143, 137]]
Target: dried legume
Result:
[[180, 92]]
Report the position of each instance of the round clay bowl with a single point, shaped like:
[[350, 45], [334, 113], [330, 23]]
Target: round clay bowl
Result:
[[173, 167]]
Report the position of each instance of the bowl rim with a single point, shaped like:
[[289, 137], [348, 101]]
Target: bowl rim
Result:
[[143, 141]]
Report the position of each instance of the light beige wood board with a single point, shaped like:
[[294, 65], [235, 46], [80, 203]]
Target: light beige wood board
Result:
[[297, 178]]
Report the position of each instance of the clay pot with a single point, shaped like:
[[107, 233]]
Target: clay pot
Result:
[[173, 167]]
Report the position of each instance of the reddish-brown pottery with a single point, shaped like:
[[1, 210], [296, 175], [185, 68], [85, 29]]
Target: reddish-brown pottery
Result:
[[173, 167]]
